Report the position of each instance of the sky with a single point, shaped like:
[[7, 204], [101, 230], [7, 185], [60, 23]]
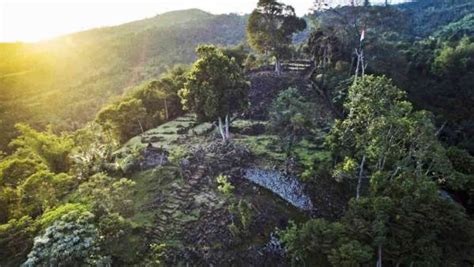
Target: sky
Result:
[[36, 20]]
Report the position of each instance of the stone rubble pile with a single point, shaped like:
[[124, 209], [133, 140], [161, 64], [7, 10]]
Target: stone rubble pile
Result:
[[288, 188]]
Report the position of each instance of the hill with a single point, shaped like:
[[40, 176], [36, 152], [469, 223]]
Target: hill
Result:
[[65, 81], [347, 157]]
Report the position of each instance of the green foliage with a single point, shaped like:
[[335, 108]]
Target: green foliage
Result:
[[454, 62], [177, 154], [52, 215], [351, 254], [403, 216], [290, 117], [271, 27], [456, 30], [123, 120], [234, 229], [107, 194], [315, 162], [411, 224], [384, 133], [117, 240], [462, 161], [239, 53], [16, 240], [71, 240], [462, 177], [68, 79], [14, 170], [160, 97], [92, 152], [253, 62], [224, 186], [414, 224], [8, 201], [51, 149], [243, 211], [215, 87], [440, 80], [318, 242], [41, 191], [157, 253], [345, 169], [130, 162]]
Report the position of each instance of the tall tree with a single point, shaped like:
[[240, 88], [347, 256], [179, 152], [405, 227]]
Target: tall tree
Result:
[[290, 118], [382, 135], [124, 119], [215, 88], [271, 27]]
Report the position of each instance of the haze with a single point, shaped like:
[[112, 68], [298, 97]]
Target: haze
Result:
[[35, 20]]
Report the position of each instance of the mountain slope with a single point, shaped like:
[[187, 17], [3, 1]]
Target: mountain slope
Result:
[[65, 81]]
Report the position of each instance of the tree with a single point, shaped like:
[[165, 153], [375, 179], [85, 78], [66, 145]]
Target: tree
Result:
[[215, 88], [16, 240], [93, 150], [170, 84], [124, 119], [160, 97], [107, 195], [14, 170], [290, 117], [321, 243], [271, 27], [383, 135], [239, 53], [411, 224], [53, 150], [403, 218], [70, 241], [154, 102], [41, 191]]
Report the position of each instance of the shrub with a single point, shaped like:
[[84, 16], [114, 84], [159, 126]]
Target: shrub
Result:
[[224, 186], [52, 215], [108, 195], [69, 241], [16, 240], [52, 149]]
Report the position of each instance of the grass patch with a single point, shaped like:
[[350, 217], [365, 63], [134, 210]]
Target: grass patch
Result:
[[148, 183], [168, 135], [241, 124], [265, 146]]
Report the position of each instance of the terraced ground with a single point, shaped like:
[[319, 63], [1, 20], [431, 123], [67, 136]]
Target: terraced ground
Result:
[[179, 204]]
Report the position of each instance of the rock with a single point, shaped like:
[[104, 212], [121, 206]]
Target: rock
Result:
[[254, 129], [288, 188], [153, 156]]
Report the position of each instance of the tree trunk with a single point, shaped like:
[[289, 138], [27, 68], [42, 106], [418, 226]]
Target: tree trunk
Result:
[[357, 66], [141, 127], [379, 261], [359, 182], [227, 135], [440, 130], [288, 152], [362, 63], [221, 129], [166, 110], [278, 66]]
